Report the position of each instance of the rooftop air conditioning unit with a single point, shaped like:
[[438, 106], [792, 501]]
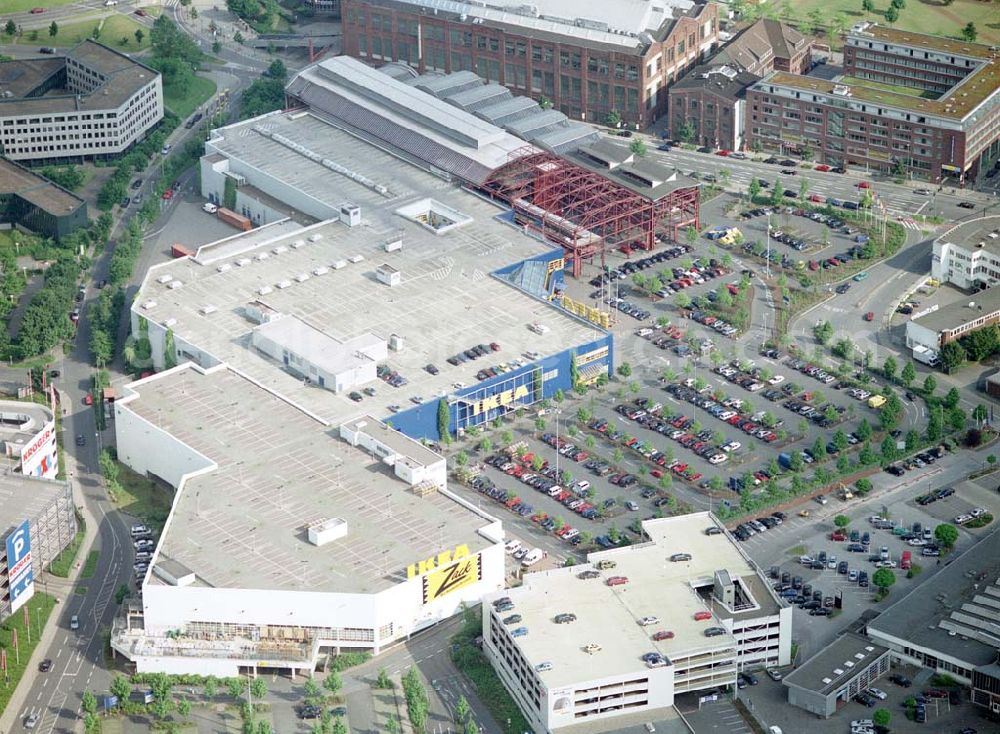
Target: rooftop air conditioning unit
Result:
[[243, 262], [350, 215], [264, 290], [315, 237], [175, 284], [225, 267], [321, 270], [356, 258], [263, 256], [164, 279], [340, 264], [283, 284], [207, 310], [302, 277], [149, 305], [279, 249]]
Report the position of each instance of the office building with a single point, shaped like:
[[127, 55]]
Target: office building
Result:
[[908, 103], [36, 203], [92, 103], [968, 254]]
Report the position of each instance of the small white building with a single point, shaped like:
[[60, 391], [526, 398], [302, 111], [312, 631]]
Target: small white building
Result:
[[325, 360], [934, 327], [968, 255], [635, 626]]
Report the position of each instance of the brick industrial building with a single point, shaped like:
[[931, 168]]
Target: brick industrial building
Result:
[[907, 101], [708, 106], [587, 57]]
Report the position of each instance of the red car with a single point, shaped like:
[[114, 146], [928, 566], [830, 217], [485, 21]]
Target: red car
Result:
[[656, 473], [140, 12], [822, 167], [36, 11], [864, 185], [724, 153], [702, 616], [817, 198], [663, 635], [168, 195], [617, 581], [870, 316]]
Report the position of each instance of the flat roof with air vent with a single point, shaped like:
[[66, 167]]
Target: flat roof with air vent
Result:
[[829, 670], [282, 502]]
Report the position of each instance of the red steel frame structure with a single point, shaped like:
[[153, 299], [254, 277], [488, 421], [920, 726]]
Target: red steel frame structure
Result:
[[584, 211]]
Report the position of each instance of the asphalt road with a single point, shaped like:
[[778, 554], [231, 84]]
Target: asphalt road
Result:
[[900, 199]]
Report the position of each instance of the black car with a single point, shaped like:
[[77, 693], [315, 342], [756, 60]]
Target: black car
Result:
[[772, 160], [80, 440], [967, 205], [843, 288], [432, 369], [838, 169], [355, 396], [126, 200], [310, 712], [137, 184], [45, 666]]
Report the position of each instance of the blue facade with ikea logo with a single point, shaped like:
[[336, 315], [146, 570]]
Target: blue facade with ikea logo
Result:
[[539, 277], [494, 397]]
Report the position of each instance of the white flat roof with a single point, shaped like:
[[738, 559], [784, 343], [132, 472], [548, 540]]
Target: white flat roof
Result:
[[608, 615], [316, 347], [244, 524], [618, 22]]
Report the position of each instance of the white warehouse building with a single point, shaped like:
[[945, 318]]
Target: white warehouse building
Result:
[[635, 626], [286, 542]]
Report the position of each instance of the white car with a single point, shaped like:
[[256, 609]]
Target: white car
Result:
[[542, 667], [977, 512], [731, 446], [962, 519], [916, 542], [512, 546], [878, 693], [776, 380], [647, 621], [717, 458]]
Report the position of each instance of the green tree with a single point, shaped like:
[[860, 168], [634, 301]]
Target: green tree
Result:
[[339, 727], [443, 420], [969, 33], [866, 456], [980, 413], [889, 367], [234, 687], [216, 47], [613, 119], [89, 702], [912, 440], [11, 28], [841, 521], [638, 148], [881, 717], [121, 687], [935, 424], [803, 188], [625, 370], [462, 710], [868, 6], [952, 357], [777, 193], [383, 680], [823, 332], [211, 687], [888, 448], [311, 688], [908, 375], [946, 534], [53, 29], [930, 385], [754, 188], [686, 132], [883, 579], [139, 35], [682, 300], [184, 708], [258, 688], [951, 398]]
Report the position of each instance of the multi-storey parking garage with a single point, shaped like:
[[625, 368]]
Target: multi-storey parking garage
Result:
[[635, 626]]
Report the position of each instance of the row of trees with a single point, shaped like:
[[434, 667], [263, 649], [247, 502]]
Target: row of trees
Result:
[[417, 704]]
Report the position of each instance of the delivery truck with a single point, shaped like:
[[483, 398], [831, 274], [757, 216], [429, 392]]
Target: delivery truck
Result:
[[926, 356]]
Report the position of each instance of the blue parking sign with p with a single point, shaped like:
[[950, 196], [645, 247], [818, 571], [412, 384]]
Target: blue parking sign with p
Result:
[[19, 567]]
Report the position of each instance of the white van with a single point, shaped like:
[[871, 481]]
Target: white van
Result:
[[512, 546], [209, 207], [533, 557], [110, 3]]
